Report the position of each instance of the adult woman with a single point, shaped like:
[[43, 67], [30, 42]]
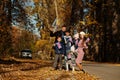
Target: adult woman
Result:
[[81, 45]]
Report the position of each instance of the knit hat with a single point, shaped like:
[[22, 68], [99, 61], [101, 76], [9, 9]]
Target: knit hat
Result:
[[76, 35], [82, 33]]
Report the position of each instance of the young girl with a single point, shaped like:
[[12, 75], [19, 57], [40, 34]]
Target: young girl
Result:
[[76, 39], [81, 45], [68, 42], [58, 46]]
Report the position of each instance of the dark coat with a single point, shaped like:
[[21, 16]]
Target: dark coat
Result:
[[74, 43], [58, 34], [59, 50]]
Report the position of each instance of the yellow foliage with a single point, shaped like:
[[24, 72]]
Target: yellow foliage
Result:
[[45, 35], [88, 35], [41, 43], [36, 1], [48, 47], [63, 1], [52, 39]]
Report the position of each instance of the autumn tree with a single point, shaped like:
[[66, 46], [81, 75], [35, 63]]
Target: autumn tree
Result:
[[98, 18], [5, 27], [105, 46]]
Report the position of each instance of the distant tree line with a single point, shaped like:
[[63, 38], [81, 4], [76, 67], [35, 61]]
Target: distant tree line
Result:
[[13, 39]]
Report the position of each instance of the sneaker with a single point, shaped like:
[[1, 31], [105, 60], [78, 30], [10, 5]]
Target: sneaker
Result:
[[60, 69], [52, 69], [83, 71], [55, 68]]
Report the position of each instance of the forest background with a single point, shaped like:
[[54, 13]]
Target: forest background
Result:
[[24, 24]]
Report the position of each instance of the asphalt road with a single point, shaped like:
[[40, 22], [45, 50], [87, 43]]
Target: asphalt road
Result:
[[104, 71]]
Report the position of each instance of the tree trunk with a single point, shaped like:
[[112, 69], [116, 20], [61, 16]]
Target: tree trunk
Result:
[[63, 12], [5, 28]]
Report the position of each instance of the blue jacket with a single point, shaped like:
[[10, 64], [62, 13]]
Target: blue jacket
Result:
[[68, 42], [57, 49]]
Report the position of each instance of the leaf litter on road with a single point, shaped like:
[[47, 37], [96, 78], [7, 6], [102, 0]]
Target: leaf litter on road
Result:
[[39, 70]]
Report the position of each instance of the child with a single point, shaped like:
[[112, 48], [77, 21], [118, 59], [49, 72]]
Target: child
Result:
[[58, 46], [76, 39], [71, 56], [68, 44]]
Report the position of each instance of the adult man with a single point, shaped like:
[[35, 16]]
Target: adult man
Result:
[[60, 33]]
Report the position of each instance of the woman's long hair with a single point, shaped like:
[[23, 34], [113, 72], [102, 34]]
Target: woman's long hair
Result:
[[83, 40]]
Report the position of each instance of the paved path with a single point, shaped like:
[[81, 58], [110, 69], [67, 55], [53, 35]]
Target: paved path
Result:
[[104, 71]]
